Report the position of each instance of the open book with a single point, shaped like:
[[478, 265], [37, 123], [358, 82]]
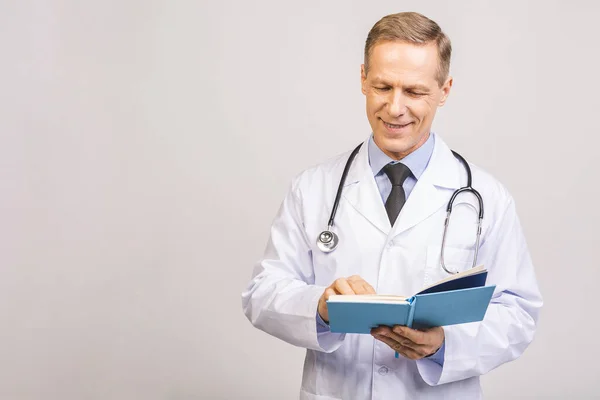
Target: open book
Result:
[[458, 299]]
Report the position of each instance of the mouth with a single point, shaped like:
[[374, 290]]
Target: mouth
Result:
[[395, 127]]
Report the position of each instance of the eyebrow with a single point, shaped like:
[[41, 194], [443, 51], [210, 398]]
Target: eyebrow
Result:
[[419, 87]]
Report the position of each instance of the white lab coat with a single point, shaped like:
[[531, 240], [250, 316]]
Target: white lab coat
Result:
[[282, 297]]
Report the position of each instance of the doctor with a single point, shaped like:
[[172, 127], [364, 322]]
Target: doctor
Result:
[[390, 221]]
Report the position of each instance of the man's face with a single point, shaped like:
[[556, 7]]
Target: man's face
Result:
[[402, 95]]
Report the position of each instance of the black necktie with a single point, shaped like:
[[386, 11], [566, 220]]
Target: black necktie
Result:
[[395, 201]]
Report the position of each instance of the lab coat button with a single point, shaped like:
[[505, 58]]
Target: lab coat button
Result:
[[383, 370]]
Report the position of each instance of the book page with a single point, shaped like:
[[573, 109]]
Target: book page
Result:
[[367, 298], [392, 299], [467, 272]]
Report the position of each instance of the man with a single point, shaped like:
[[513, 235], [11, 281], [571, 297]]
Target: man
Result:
[[390, 221]]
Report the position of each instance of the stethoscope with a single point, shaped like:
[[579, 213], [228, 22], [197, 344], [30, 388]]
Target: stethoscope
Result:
[[327, 241]]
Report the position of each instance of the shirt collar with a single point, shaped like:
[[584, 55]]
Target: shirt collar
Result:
[[416, 161]]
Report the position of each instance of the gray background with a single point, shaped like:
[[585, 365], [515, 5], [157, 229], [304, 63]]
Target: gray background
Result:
[[145, 147]]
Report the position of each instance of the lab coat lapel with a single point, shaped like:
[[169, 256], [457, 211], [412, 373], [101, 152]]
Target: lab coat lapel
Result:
[[362, 193], [430, 193]]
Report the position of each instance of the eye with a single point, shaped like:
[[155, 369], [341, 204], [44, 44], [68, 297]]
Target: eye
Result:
[[382, 88], [415, 94]]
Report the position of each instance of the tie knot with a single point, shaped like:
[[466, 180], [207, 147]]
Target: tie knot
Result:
[[397, 173]]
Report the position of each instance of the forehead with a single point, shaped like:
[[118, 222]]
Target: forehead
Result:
[[396, 60]]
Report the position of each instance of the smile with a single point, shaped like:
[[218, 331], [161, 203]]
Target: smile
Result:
[[395, 127]]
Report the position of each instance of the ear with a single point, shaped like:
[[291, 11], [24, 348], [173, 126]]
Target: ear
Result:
[[363, 79], [446, 91]]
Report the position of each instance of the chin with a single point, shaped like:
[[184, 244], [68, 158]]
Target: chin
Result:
[[396, 145]]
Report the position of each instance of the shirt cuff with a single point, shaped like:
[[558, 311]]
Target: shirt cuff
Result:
[[322, 326], [438, 356]]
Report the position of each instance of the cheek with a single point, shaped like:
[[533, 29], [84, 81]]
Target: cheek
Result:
[[374, 104], [422, 110]]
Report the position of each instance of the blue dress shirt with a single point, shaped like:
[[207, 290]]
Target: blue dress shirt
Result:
[[417, 162]]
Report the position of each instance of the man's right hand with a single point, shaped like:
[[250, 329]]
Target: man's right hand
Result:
[[352, 285]]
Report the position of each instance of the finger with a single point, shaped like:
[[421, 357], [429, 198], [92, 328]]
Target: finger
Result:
[[409, 353], [404, 351], [329, 292], [421, 349], [415, 336], [387, 340], [355, 283], [381, 330], [368, 288], [360, 286], [322, 308], [390, 332], [341, 286]]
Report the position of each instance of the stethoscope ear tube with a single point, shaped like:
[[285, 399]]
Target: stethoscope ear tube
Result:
[[463, 190]]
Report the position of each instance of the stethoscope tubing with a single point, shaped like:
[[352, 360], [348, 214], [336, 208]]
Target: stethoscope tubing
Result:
[[338, 195], [327, 240]]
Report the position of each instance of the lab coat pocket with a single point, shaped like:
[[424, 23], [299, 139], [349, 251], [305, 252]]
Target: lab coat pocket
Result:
[[456, 259]]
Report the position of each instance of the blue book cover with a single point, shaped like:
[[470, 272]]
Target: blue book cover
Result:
[[459, 299], [475, 279]]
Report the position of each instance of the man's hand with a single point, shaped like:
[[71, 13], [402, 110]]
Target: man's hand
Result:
[[352, 285], [411, 343]]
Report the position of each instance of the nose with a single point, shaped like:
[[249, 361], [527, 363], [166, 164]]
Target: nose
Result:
[[397, 104]]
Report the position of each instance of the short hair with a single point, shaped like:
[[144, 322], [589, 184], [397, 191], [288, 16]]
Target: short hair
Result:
[[413, 28]]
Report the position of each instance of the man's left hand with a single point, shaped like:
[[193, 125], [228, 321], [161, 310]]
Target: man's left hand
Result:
[[411, 343]]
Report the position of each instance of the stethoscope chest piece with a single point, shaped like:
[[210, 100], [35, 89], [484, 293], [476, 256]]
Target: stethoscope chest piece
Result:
[[327, 241]]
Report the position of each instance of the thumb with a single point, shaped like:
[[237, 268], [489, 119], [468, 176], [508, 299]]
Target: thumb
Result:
[[323, 311]]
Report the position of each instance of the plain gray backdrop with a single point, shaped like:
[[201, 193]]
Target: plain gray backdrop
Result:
[[145, 147]]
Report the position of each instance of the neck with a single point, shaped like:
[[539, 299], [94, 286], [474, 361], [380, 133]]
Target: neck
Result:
[[400, 155]]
